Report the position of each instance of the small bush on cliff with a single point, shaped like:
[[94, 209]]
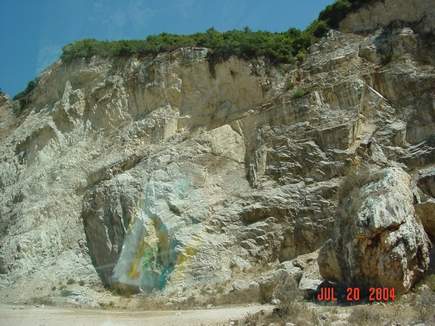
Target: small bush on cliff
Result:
[[333, 14], [299, 92], [29, 88], [23, 96], [318, 28]]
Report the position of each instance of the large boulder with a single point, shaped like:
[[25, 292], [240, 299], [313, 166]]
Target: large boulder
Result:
[[377, 240], [291, 280]]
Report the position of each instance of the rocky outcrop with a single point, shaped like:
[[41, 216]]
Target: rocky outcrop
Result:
[[378, 242], [382, 13], [291, 280]]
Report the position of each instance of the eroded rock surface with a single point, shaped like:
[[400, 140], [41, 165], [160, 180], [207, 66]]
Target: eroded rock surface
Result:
[[420, 13], [377, 241]]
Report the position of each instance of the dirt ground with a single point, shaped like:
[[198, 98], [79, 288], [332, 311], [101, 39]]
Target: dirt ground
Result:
[[52, 316]]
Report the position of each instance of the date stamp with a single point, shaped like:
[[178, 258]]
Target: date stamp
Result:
[[328, 294]]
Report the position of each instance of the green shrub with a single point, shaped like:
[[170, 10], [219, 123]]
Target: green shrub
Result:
[[318, 28], [290, 85], [299, 92], [301, 56], [333, 14], [23, 96], [29, 88]]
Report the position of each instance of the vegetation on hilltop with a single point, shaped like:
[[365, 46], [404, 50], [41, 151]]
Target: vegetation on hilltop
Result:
[[281, 47], [22, 96], [277, 47]]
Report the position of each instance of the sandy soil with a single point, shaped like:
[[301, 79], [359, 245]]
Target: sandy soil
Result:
[[48, 316]]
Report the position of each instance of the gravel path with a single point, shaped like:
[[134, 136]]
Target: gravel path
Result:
[[52, 316]]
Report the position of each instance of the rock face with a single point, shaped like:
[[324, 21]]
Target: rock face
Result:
[[381, 13], [142, 224], [154, 175], [378, 241]]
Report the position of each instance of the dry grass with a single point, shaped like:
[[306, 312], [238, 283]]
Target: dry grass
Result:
[[414, 308], [426, 306], [46, 301], [301, 315], [368, 315], [430, 282], [418, 309], [257, 319], [295, 312]]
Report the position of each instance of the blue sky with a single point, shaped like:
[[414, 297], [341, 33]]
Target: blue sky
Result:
[[33, 32]]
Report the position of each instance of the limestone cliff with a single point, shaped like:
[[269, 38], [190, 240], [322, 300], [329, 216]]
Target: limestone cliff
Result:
[[418, 13], [154, 175]]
